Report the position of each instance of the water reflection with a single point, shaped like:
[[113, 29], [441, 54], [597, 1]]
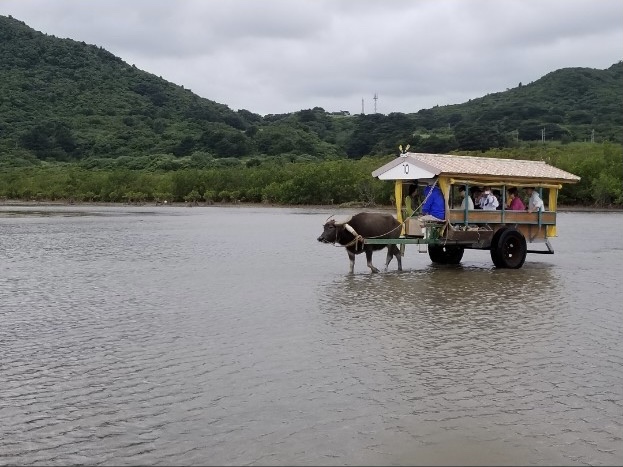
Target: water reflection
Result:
[[446, 293], [476, 352]]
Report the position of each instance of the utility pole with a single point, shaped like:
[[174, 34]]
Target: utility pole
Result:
[[592, 136], [543, 135], [376, 96]]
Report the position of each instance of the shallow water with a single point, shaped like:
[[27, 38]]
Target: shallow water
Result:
[[180, 336]]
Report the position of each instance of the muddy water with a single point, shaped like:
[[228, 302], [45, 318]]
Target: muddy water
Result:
[[181, 336]]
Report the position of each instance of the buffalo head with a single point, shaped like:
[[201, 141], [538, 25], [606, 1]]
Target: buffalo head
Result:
[[330, 232]]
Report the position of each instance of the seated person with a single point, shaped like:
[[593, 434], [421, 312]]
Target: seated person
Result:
[[515, 202], [476, 193], [434, 207], [466, 199], [410, 200], [487, 201], [535, 203], [498, 197]]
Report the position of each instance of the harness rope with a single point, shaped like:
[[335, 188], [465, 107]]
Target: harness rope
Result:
[[358, 238]]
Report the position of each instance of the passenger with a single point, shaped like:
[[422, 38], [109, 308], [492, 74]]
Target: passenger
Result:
[[475, 195], [466, 199], [498, 197], [488, 202], [515, 203], [434, 207], [411, 200], [535, 203]]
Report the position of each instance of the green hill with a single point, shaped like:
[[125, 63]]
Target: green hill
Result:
[[566, 104], [63, 100]]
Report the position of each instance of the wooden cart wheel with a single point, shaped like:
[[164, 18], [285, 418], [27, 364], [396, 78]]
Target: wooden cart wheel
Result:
[[445, 254], [510, 249]]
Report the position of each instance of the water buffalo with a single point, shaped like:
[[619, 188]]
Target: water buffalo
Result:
[[350, 234]]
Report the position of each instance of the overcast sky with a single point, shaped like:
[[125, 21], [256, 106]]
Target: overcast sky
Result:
[[278, 56]]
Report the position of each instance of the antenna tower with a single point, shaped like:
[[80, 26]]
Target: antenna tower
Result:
[[376, 97], [362, 112]]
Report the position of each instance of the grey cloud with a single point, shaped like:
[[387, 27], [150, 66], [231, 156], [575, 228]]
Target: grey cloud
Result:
[[275, 56]]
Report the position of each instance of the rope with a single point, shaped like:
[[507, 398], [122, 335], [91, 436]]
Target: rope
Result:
[[358, 238], [411, 216], [355, 241], [423, 202]]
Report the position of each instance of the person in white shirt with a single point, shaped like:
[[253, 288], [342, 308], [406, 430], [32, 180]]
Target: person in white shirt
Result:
[[487, 201], [535, 203], [468, 199]]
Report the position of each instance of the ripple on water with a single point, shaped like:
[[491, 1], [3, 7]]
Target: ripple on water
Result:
[[175, 337]]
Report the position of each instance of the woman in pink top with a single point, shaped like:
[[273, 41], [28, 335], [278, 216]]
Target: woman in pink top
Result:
[[516, 203]]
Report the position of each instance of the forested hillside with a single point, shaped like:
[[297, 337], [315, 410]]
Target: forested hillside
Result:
[[63, 100], [66, 100]]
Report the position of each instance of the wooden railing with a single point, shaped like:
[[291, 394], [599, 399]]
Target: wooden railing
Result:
[[479, 216]]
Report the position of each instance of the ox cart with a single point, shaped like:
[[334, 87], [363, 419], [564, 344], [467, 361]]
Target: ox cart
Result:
[[504, 232]]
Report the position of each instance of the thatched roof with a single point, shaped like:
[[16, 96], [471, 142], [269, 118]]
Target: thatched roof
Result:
[[422, 165]]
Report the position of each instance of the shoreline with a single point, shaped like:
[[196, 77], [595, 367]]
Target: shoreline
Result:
[[354, 205]]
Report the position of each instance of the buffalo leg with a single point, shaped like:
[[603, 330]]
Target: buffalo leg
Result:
[[393, 250], [369, 258], [351, 257]]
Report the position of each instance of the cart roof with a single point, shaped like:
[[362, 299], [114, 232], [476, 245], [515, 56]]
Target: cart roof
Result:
[[411, 166]]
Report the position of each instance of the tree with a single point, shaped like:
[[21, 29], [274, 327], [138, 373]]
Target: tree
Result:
[[50, 139], [478, 137]]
